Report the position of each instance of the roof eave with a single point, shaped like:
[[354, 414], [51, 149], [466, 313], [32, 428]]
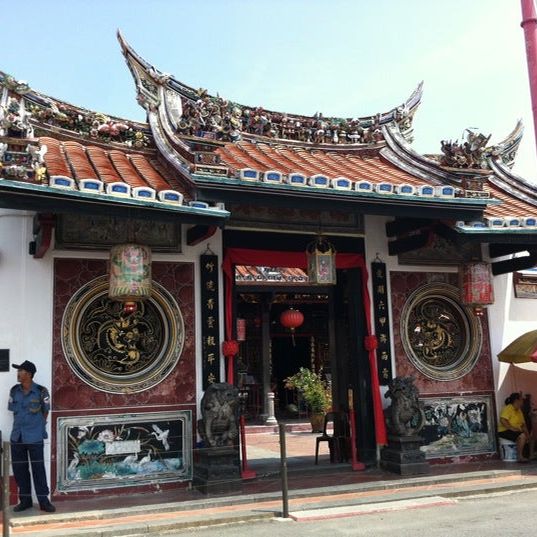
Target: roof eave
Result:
[[28, 196], [234, 190]]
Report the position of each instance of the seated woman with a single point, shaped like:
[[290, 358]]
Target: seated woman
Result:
[[512, 424]]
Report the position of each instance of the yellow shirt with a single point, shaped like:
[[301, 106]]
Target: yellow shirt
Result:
[[513, 415]]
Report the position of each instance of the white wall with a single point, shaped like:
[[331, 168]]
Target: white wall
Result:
[[26, 315], [509, 317], [26, 312]]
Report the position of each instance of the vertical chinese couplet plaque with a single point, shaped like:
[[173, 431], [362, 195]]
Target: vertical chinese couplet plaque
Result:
[[209, 319], [382, 322]]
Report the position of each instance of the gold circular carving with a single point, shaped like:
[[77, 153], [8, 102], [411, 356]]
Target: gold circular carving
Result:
[[441, 337], [121, 353]]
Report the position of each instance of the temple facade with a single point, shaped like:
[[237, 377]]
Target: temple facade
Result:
[[399, 263]]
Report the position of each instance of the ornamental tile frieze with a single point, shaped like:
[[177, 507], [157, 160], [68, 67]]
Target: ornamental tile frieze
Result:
[[224, 120], [471, 153], [22, 110]]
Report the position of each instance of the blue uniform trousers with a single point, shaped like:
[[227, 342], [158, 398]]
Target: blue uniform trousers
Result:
[[20, 454]]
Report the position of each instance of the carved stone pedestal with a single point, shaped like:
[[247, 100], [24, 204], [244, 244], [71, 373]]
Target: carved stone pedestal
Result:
[[403, 455], [217, 470]]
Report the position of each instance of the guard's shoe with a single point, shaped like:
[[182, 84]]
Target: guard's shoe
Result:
[[48, 507], [22, 506]]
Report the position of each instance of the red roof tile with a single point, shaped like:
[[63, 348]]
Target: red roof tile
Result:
[[511, 206], [77, 161], [333, 164], [55, 160]]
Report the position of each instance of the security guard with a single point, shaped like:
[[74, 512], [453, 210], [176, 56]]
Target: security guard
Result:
[[30, 404]]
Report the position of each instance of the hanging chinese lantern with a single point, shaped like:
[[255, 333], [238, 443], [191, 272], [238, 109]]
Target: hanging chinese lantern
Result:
[[241, 329], [130, 275], [291, 319], [321, 262], [475, 281]]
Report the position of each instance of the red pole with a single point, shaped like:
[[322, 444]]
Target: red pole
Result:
[[356, 464], [246, 473], [529, 24]]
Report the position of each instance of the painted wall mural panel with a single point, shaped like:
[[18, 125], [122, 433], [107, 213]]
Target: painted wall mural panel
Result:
[[456, 426], [116, 450]]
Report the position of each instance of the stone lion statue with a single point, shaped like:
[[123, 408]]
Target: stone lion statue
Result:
[[218, 425], [405, 416]]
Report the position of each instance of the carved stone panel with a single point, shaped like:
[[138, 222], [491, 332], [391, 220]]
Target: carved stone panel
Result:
[[440, 337], [102, 232], [121, 353]]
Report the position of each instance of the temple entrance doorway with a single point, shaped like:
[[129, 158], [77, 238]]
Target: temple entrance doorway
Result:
[[270, 352]]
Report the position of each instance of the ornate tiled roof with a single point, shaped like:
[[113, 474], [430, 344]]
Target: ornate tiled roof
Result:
[[52, 147], [194, 142], [46, 115]]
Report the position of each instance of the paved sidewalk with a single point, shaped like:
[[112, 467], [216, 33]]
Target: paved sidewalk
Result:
[[318, 502], [315, 491]]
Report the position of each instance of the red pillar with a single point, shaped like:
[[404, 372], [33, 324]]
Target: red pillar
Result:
[[529, 24]]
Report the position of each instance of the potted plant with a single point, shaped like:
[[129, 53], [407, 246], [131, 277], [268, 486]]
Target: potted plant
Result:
[[315, 392]]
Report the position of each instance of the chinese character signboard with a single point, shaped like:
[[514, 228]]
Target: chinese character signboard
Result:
[[382, 322], [209, 319]]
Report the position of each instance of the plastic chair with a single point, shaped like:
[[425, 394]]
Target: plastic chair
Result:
[[337, 441]]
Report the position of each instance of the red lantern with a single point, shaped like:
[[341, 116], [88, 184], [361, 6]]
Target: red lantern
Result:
[[230, 348], [291, 319], [475, 281]]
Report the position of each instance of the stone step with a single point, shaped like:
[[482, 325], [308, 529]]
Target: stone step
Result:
[[289, 427]]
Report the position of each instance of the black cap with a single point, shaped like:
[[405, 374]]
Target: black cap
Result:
[[27, 366]]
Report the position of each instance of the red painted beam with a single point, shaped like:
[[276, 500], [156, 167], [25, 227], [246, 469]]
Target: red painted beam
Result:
[[43, 228]]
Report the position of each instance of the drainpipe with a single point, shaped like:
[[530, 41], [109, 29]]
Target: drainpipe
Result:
[[529, 24]]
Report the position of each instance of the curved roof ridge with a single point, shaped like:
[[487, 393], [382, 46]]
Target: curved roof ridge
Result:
[[399, 152], [511, 183], [208, 116], [507, 149]]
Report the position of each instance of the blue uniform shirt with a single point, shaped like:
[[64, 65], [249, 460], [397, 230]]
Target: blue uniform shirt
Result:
[[29, 411]]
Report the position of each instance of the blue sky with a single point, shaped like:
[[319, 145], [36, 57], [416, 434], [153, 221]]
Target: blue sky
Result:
[[338, 57]]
